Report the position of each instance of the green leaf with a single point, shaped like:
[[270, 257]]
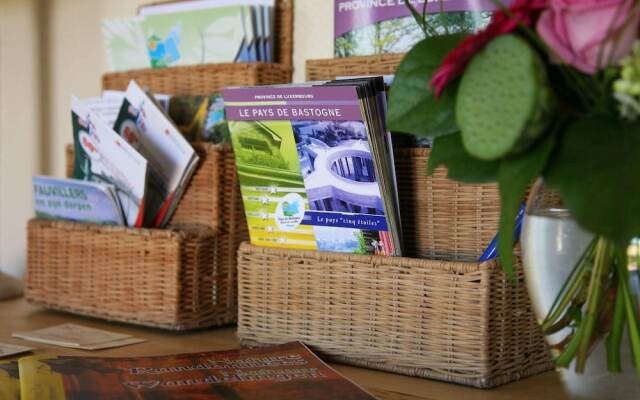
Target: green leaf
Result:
[[597, 173], [449, 151], [514, 176], [413, 107]]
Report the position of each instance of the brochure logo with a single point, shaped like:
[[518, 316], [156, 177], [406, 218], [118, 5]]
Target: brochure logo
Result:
[[89, 146], [289, 212]]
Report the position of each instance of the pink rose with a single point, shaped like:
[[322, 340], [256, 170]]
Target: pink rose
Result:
[[576, 30]]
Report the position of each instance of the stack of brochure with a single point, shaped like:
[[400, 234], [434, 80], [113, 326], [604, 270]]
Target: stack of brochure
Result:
[[191, 32], [131, 171], [316, 166]]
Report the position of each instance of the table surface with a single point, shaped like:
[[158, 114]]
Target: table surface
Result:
[[16, 315]]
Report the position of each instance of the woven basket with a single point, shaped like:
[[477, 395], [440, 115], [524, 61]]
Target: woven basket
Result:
[[211, 202], [160, 278], [444, 316], [209, 78], [441, 219], [452, 321], [318, 70]]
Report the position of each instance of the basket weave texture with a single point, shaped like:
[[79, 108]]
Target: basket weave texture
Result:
[[159, 278], [181, 278], [318, 70], [209, 78]]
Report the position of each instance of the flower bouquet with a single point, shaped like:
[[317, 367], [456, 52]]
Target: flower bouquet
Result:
[[549, 89]]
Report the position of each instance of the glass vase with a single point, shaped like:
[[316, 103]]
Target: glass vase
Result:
[[552, 243]]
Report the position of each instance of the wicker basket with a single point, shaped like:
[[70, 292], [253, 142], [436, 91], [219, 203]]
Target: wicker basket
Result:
[[198, 290], [452, 321], [159, 278], [318, 70], [209, 78], [444, 316]]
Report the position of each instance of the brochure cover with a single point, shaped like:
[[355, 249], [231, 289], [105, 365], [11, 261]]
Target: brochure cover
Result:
[[307, 170], [102, 156], [288, 371], [172, 160], [375, 27], [125, 43], [183, 35], [76, 200], [9, 380]]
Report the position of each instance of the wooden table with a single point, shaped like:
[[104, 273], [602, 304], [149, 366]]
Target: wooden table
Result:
[[17, 315]]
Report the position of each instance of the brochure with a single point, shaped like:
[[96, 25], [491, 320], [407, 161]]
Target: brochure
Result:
[[76, 200], [125, 44], [285, 372], [316, 166], [364, 28], [108, 105], [9, 380], [102, 156], [200, 118], [172, 160]]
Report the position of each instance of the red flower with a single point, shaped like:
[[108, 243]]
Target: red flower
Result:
[[453, 65]]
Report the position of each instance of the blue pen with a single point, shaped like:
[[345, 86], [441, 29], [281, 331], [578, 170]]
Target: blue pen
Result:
[[492, 250]]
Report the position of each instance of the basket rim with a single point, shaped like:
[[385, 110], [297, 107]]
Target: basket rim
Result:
[[204, 67], [172, 233], [448, 265]]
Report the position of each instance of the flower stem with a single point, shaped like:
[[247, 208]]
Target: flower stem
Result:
[[601, 267], [614, 339]]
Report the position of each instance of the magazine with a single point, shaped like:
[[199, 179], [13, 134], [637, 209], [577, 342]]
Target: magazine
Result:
[[315, 166], [288, 371], [9, 380], [363, 28], [76, 200], [172, 160], [102, 156]]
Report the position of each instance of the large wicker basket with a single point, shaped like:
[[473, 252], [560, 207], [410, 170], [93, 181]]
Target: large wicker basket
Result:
[[209, 78], [443, 316], [461, 322]]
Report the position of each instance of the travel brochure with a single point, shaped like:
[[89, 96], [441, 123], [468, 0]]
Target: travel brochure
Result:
[[363, 28], [76, 200], [287, 371], [172, 160], [315, 165], [130, 167], [191, 32], [102, 156]]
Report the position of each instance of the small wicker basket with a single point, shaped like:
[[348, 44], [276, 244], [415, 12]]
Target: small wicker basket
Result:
[[209, 78], [160, 278], [67, 262]]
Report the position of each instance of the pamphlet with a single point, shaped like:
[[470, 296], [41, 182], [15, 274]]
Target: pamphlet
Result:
[[7, 350], [316, 166], [200, 118], [364, 28], [76, 200], [102, 156], [9, 380], [125, 43], [284, 372], [172, 160]]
